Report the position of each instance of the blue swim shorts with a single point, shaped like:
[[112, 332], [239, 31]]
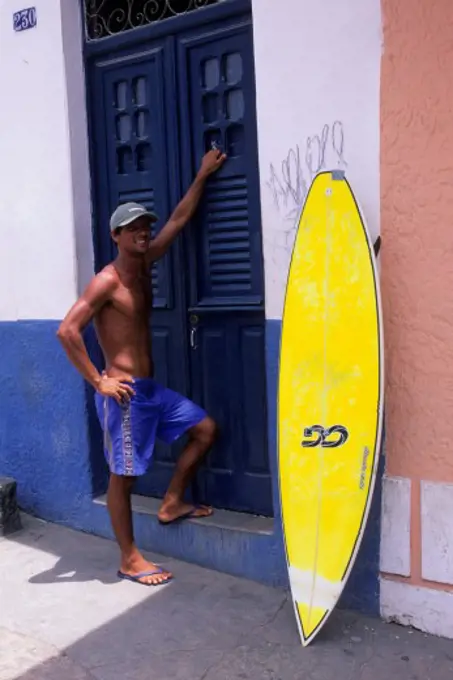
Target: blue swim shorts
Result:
[[130, 429]]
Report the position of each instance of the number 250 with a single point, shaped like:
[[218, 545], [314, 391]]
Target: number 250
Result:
[[24, 19]]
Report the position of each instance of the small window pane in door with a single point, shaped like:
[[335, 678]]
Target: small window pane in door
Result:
[[212, 139], [235, 104], [235, 141], [141, 123], [139, 91], [121, 95], [123, 128], [233, 68], [210, 108], [210, 71], [143, 157], [124, 160]]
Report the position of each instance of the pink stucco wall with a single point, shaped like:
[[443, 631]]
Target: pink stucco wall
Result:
[[417, 232]]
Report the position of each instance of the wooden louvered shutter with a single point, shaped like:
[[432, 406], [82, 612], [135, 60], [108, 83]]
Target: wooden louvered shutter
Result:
[[227, 272]]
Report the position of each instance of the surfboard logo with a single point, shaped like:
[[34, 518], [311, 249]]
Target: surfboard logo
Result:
[[323, 436]]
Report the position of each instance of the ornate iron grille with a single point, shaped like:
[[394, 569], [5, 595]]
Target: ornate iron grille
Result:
[[109, 17]]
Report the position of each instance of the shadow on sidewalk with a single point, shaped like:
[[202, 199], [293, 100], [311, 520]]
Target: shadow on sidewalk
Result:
[[97, 562], [206, 626], [183, 634], [202, 626]]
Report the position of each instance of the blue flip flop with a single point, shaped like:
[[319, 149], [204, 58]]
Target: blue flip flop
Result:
[[190, 514], [136, 577]]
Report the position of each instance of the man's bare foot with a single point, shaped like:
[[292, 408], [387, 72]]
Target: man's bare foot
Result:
[[171, 511], [141, 571]]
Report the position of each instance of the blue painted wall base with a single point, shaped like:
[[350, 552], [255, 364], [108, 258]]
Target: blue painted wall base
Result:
[[50, 439], [49, 442]]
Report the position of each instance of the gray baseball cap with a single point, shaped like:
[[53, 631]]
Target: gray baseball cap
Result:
[[127, 213]]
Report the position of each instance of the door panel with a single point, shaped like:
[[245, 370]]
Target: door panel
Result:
[[228, 379], [217, 87], [134, 134], [226, 311]]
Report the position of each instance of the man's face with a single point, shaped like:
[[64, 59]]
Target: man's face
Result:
[[135, 237]]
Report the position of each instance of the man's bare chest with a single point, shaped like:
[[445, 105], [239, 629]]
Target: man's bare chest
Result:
[[134, 301]]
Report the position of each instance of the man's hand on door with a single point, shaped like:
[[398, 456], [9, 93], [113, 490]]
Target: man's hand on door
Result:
[[212, 161]]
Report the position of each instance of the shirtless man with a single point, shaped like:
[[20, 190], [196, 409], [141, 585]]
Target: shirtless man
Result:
[[132, 408]]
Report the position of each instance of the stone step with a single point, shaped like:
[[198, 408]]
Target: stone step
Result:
[[9, 512], [230, 542]]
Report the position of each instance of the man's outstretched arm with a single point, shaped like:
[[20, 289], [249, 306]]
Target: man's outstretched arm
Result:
[[183, 212]]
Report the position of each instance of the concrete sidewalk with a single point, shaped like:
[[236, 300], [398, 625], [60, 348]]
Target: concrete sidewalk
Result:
[[65, 616]]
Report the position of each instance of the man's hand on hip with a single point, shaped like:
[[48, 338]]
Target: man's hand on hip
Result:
[[116, 387]]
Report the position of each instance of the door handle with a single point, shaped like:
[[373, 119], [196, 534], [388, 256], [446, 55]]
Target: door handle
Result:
[[193, 331], [193, 337]]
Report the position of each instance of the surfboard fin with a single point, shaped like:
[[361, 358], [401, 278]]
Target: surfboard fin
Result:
[[337, 175], [377, 246]]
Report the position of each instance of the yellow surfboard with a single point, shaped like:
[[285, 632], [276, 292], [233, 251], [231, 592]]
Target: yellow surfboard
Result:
[[330, 398]]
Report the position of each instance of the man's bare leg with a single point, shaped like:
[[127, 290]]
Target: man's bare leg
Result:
[[201, 438], [119, 505]]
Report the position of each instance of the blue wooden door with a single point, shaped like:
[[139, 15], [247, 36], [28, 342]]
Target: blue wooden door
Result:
[[133, 140], [226, 300], [155, 111]]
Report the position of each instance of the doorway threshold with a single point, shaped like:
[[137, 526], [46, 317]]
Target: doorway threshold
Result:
[[220, 519]]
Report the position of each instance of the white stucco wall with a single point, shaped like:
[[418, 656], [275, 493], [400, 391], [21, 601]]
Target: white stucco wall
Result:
[[38, 264], [317, 77]]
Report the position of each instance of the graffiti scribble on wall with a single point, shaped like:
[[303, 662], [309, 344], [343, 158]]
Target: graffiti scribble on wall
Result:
[[289, 183]]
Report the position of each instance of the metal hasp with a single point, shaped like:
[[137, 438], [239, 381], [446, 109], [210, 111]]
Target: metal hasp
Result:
[[193, 331]]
